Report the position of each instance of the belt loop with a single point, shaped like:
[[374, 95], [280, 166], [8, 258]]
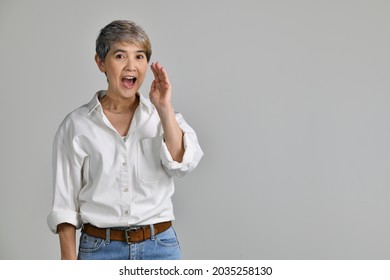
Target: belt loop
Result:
[[108, 235], [151, 232]]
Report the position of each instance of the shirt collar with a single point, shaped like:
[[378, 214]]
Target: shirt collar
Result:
[[94, 104]]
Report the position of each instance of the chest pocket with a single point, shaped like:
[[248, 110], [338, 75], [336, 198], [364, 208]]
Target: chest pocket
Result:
[[149, 162]]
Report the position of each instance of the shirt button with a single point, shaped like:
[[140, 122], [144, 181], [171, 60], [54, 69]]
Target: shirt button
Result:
[[124, 164], [125, 189], [126, 212]]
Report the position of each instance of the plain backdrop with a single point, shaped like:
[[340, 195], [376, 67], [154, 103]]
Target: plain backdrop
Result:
[[290, 100]]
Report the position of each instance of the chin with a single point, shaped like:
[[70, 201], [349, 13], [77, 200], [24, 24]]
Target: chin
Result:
[[129, 93]]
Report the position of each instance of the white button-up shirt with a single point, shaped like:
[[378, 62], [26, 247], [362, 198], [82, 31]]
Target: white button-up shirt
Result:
[[109, 181]]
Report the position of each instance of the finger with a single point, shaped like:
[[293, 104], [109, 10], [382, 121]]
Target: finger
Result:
[[157, 68], [156, 72], [153, 68], [161, 72], [153, 86]]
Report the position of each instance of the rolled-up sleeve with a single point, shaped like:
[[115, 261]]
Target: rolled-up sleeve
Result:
[[192, 152], [67, 179]]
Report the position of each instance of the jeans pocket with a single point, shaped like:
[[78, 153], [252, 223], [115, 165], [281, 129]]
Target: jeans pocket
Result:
[[168, 238], [90, 244]]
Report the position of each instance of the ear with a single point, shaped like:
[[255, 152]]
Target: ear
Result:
[[100, 63]]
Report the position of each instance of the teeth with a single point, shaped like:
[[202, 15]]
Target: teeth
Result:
[[129, 78]]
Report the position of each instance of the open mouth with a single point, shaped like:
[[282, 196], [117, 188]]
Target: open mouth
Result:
[[129, 81]]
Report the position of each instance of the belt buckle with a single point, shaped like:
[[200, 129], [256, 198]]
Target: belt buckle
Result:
[[129, 231]]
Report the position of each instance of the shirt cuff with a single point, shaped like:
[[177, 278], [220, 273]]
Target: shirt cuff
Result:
[[191, 157], [57, 217]]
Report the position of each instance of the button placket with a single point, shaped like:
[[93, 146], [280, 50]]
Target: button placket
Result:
[[124, 185]]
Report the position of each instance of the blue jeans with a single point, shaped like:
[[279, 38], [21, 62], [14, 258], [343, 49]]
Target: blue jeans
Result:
[[163, 246]]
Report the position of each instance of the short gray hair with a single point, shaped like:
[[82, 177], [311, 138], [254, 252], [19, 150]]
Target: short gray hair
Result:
[[122, 31]]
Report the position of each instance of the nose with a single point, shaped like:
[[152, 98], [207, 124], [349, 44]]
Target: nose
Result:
[[130, 65]]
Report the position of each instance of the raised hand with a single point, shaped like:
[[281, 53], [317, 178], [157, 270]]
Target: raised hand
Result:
[[160, 95], [161, 89]]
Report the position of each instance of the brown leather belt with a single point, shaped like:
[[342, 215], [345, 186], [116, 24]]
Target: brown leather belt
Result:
[[130, 235]]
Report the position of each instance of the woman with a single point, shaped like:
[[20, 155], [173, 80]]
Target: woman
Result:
[[114, 158]]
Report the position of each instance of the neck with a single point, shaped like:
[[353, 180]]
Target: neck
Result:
[[119, 105]]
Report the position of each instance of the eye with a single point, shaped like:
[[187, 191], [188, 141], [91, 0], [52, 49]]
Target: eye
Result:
[[140, 56], [120, 56]]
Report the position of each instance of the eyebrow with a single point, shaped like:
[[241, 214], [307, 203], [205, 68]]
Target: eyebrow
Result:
[[120, 50]]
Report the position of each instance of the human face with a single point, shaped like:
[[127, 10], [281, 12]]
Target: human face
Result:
[[125, 66]]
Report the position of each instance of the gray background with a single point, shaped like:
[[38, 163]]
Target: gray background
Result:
[[290, 100]]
